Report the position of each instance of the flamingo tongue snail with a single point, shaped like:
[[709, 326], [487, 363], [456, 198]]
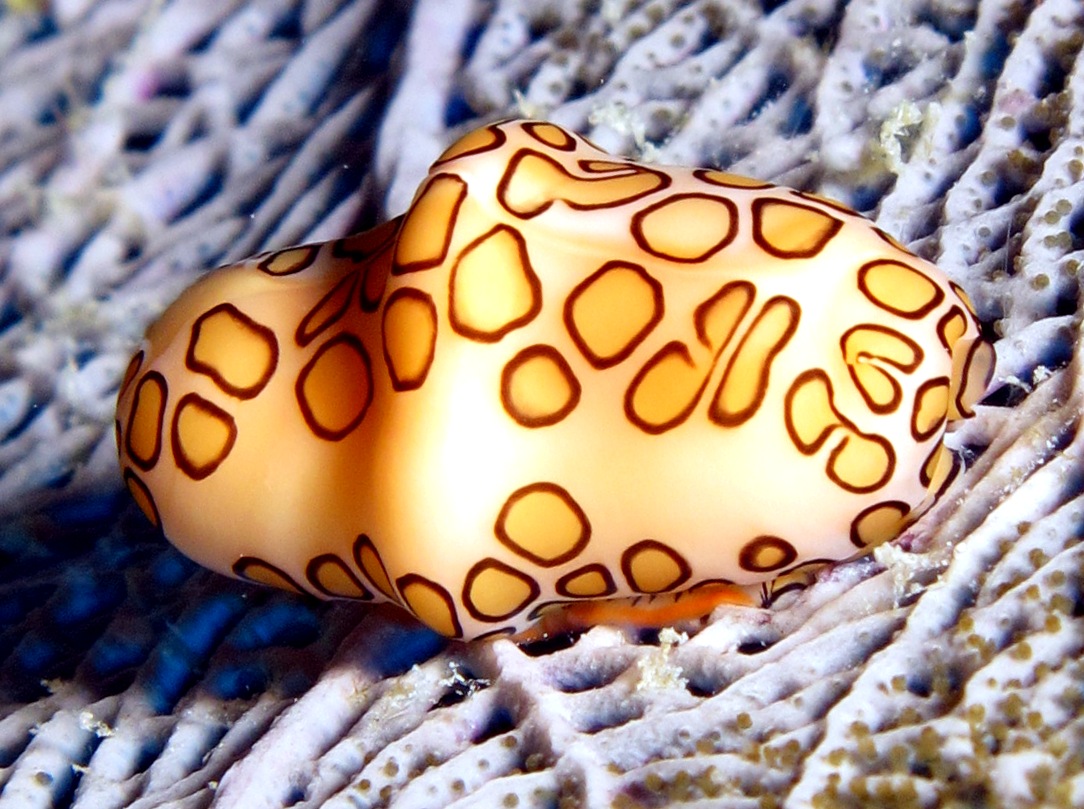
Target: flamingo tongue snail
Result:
[[560, 377]]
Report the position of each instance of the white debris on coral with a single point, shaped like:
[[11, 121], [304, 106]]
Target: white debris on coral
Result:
[[627, 123], [906, 134], [905, 568], [100, 728], [657, 669]]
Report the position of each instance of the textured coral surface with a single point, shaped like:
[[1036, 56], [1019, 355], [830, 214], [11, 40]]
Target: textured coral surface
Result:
[[142, 141]]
